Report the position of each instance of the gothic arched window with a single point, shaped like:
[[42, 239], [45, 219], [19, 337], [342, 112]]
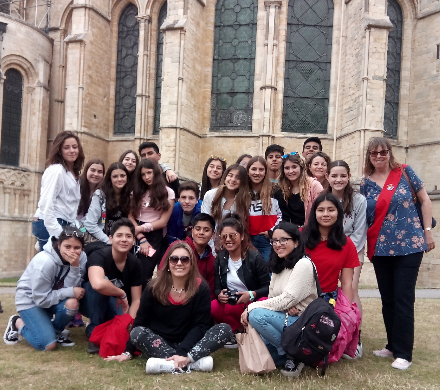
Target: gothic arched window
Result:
[[307, 70], [159, 58], [126, 71], [11, 118], [233, 65], [394, 56]]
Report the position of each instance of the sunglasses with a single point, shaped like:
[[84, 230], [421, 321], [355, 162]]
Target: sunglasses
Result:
[[183, 259], [383, 153], [281, 241], [217, 158], [70, 231], [232, 236], [289, 154]]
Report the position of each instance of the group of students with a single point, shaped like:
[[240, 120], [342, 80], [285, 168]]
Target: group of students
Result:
[[233, 252]]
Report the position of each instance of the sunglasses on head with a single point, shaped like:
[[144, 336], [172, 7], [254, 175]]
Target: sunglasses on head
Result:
[[183, 259], [383, 153], [71, 231], [289, 154], [217, 158], [232, 236]]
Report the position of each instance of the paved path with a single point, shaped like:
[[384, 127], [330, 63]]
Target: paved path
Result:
[[363, 293]]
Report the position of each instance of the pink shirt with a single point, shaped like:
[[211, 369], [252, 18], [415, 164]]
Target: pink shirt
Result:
[[147, 213]]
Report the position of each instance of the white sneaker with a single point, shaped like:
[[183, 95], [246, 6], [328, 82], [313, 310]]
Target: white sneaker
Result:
[[204, 364], [357, 355], [383, 353], [11, 335], [401, 364], [157, 366]]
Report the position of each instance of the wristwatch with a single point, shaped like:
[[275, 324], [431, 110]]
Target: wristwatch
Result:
[[128, 354], [428, 229]]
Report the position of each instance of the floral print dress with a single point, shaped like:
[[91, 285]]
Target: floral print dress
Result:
[[402, 232]]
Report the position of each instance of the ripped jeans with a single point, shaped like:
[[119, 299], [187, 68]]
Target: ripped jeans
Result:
[[38, 330], [152, 345]]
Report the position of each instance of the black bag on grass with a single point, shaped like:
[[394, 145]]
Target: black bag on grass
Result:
[[310, 338]]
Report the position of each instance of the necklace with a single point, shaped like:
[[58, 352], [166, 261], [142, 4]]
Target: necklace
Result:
[[178, 291]]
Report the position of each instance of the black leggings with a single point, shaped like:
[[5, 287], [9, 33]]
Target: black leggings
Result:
[[152, 345]]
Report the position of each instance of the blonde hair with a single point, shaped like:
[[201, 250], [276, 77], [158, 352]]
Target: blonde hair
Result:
[[266, 189], [285, 184]]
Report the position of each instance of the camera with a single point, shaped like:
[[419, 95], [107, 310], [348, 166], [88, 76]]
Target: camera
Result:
[[232, 297]]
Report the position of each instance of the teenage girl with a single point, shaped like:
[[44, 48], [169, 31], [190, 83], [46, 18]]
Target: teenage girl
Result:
[[109, 203], [317, 167], [212, 174], [355, 220], [243, 160], [90, 180], [297, 191], [152, 203], [264, 213], [60, 188]]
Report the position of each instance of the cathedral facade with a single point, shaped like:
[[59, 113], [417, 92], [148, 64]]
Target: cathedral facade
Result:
[[203, 77]]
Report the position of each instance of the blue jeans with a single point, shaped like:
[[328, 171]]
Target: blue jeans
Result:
[[270, 325], [262, 244], [38, 330], [40, 231], [97, 308]]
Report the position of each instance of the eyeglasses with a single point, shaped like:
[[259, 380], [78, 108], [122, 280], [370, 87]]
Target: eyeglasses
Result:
[[383, 153], [281, 241], [183, 259], [71, 231], [289, 154], [232, 236], [213, 156]]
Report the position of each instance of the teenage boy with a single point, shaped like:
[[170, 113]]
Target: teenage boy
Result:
[[151, 150], [202, 233], [274, 158], [179, 225], [113, 282], [311, 146]]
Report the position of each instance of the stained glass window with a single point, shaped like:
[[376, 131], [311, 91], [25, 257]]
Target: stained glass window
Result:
[[11, 119], [126, 71], [307, 70], [159, 58], [233, 64], [394, 55]]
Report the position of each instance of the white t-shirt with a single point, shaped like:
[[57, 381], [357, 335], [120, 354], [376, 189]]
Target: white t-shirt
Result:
[[233, 281]]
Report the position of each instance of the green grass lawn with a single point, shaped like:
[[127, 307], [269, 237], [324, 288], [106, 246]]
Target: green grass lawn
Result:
[[22, 368]]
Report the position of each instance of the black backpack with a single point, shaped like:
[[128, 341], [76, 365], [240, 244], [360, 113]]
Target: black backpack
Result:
[[310, 338]]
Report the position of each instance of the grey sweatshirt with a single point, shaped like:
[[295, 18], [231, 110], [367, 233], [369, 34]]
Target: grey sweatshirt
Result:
[[355, 223], [35, 287]]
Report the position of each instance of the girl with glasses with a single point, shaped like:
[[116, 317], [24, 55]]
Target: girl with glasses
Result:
[[172, 324], [292, 289], [241, 275], [297, 191], [264, 212], [212, 174], [397, 237]]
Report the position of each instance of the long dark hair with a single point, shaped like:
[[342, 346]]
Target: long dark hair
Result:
[[206, 183], [278, 264], [158, 190], [347, 202], [130, 174], [55, 155], [336, 238], [235, 221], [86, 195], [110, 196]]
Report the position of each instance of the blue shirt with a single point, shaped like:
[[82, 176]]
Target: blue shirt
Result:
[[401, 232]]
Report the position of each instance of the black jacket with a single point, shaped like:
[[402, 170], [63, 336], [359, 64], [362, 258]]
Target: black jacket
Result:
[[253, 273]]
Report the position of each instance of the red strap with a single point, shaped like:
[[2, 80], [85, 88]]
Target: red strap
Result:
[[382, 206]]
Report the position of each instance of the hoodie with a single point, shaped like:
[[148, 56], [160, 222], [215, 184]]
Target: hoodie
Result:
[[35, 286], [204, 263]]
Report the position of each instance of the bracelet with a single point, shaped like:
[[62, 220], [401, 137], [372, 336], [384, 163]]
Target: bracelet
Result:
[[124, 297], [128, 354], [143, 241], [251, 295]]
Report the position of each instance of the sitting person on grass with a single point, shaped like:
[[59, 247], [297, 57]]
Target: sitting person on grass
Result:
[[50, 286], [179, 225], [172, 326], [113, 283]]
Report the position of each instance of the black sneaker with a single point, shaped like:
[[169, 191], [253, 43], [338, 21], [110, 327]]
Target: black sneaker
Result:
[[64, 341], [232, 343], [92, 348], [11, 335], [292, 369]]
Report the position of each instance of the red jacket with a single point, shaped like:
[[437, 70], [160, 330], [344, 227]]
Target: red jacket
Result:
[[205, 264]]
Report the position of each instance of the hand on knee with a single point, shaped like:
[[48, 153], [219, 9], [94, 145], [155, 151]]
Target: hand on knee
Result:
[[51, 347]]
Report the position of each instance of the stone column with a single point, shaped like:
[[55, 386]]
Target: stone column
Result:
[[270, 57], [2, 78], [27, 128]]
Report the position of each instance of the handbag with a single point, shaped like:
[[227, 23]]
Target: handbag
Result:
[[253, 355], [416, 200]]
